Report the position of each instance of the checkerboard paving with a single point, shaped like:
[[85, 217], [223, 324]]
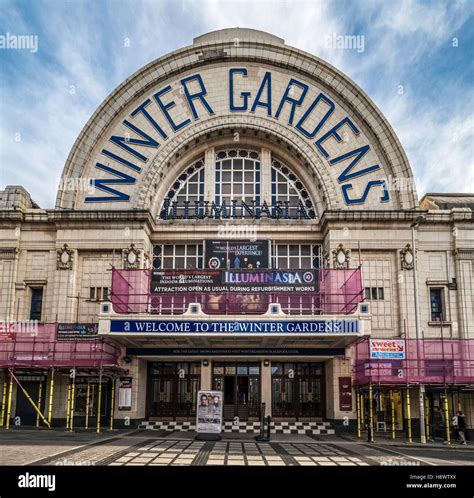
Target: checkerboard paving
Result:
[[308, 428], [238, 453]]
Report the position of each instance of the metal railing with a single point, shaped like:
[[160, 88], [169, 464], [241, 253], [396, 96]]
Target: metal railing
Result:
[[427, 361], [339, 292], [43, 350]]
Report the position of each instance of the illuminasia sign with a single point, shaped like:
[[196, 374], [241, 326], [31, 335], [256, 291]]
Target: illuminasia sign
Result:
[[234, 281], [387, 349], [234, 327], [233, 210]]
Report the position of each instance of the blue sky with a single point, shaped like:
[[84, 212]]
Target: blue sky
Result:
[[417, 66]]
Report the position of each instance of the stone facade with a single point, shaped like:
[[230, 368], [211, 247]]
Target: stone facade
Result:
[[99, 235]]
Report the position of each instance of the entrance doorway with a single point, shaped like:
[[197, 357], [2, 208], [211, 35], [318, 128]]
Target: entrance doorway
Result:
[[436, 397], [298, 390], [240, 383], [24, 409], [172, 389]]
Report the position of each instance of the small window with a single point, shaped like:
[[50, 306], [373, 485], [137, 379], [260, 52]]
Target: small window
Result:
[[374, 293], [36, 303], [99, 293], [437, 305]]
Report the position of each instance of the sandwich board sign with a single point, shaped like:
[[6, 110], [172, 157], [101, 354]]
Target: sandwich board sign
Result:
[[209, 412]]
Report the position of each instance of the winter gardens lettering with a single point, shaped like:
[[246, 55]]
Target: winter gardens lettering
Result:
[[294, 99]]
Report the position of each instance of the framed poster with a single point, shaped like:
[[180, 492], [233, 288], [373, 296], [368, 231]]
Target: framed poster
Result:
[[125, 393], [209, 412], [387, 349], [77, 332], [236, 255], [345, 394]]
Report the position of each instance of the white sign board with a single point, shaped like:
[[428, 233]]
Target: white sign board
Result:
[[209, 412], [125, 393], [387, 349]]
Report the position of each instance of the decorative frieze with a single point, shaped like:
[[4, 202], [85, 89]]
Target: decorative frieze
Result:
[[8, 252]]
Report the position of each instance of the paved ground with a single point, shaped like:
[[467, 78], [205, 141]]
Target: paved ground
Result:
[[159, 448]]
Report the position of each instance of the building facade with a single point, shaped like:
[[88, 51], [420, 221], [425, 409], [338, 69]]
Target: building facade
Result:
[[237, 215]]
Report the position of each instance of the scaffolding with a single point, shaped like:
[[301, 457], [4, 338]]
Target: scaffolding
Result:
[[385, 387], [338, 292], [428, 361], [38, 352]]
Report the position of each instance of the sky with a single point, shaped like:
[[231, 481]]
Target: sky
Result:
[[417, 65]]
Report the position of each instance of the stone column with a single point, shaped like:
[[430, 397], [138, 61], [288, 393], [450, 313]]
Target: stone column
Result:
[[210, 175], [206, 375], [266, 386]]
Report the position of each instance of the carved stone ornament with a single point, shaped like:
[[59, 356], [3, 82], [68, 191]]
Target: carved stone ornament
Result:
[[341, 257], [64, 258], [131, 258], [407, 259]]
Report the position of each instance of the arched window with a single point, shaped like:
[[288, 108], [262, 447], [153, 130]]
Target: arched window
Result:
[[240, 176], [237, 176], [286, 186], [189, 186]]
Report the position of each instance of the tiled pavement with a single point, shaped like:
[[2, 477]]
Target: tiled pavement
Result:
[[160, 448], [185, 452]]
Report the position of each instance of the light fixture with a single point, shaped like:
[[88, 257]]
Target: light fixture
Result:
[[266, 363], [205, 363]]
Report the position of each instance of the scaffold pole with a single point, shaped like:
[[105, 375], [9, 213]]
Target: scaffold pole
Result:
[[4, 400], [410, 439], [40, 392], [99, 400], [9, 402], [392, 405], [73, 396], [87, 404], [358, 413], [371, 414], [51, 389], [112, 405], [68, 405], [446, 416]]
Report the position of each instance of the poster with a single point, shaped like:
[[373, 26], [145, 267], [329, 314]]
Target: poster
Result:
[[233, 281], [236, 255], [77, 332], [209, 412], [345, 394], [387, 349], [125, 393], [185, 281]]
